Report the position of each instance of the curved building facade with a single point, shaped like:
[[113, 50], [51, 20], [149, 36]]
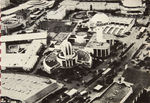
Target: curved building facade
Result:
[[50, 63], [102, 51], [98, 46], [133, 7], [11, 25], [98, 19], [67, 57], [80, 37]]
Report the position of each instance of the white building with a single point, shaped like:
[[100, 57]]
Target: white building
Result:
[[133, 7], [98, 49], [98, 19], [98, 45], [5, 3], [27, 60], [95, 5], [67, 57], [24, 88]]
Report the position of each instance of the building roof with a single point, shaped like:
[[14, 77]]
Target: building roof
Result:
[[134, 3], [61, 37], [137, 89], [51, 60], [15, 9], [96, 45], [39, 35], [40, 3], [121, 20], [56, 26], [100, 17], [5, 3], [114, 94], [98, 87], [29, 4], [66, 48], [57, 14], [98, 5], [27, 88], [26, 60], [11, 23], [99, 0], [83, 56], [71, 92], [8, 17]]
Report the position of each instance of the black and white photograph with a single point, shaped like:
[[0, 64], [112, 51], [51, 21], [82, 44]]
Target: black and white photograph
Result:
[[75, 51]]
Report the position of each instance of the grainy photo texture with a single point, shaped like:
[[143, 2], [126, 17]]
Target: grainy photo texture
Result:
[[75, 51]]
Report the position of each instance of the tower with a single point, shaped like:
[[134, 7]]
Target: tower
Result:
[[67, 57], [99, 35]]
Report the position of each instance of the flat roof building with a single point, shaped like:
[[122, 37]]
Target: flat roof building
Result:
[[31, 4], [21, 56], [5, 3], [26, 88], [25, 61], [116, 93]]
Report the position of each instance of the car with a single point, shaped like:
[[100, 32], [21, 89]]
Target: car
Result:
[[21, 32], [29, 31], [127, 33], [82, 93], [148, 39]]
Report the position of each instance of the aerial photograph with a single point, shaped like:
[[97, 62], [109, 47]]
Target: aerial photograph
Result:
[[75, 51]]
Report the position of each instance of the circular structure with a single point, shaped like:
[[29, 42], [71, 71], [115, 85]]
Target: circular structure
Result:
[[98, 20], [80, 37], [132, 7], [67, 57], [24, 88], [97, 48], [101, 50], [50, 63], [82, 15], [11, 23], [40, 3], [37, 2], [131, 3]]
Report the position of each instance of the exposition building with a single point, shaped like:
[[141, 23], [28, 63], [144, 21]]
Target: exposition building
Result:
[[133, 7]]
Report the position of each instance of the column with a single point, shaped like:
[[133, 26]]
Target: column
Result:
[[66, 63], [71, 62], [97, 52], [101, 53], [108, 51], [112, 42]]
